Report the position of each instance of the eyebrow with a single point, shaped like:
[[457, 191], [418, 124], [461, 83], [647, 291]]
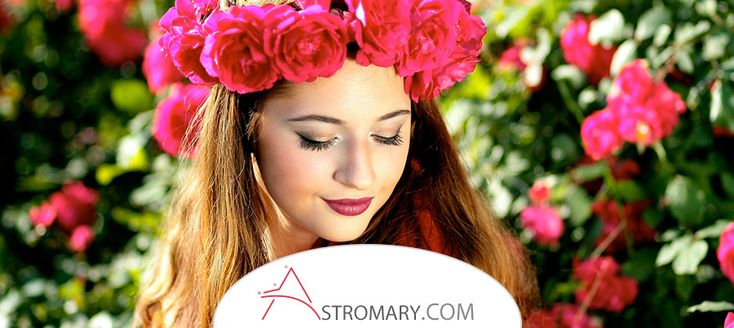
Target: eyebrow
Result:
[[332, 120]]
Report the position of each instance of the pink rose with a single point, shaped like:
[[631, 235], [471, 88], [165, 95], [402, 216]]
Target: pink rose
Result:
[[174, 115], [599, 133], [539, 193], [183, 39], [43, 215], [633, 82], [543, 222], [669, 105], [648, 110], [637, 123], [381, 30], [158, 69], [305, 44], [729, 322], [81, 238], [433, 36], [325, 4], [594, 60], [106, 33], [234, 50], [432, 77], [74, 205], [613, 292], [510, 58], [725, 252]]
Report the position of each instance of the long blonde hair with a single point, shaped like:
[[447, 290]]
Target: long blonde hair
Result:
[[216, 229]]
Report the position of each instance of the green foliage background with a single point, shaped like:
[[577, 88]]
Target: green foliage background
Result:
[[64, 116]]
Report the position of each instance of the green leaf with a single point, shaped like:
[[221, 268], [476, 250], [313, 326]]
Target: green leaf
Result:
[[641, 264], [727, 181], [131, 153], [710, 306], [661, 35], [131, 95], [626, 52], [589, 172], [686, 200], [607, 29], [650, 21], [107, 172], [580, 205], [714, 46], [669, 252], [569, 73], [712, 231], [689, 258], [722, 105], [684, 60], [629, 190], [688, 32]]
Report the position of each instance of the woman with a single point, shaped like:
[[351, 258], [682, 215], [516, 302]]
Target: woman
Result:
[[352, 153]]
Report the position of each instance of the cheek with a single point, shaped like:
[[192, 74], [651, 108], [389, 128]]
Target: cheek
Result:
[[391, 164], [288, 170]]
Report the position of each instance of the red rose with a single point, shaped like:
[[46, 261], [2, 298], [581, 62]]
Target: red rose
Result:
[[305, 44], [543, 222], [613, 292], [6, 20], [64, 5], [443, 72], [539, 193], [183, 39], [635, 226], [433, 36], [81, 238], [729, 322], [381, 30], [562, 316], [234, 50], [158, 69], [599, 133], [725, 252], [174, 115], [594, 60], [74, 206], [623, 170]]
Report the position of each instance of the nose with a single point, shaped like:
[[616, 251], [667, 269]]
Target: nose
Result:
[[356, 169]]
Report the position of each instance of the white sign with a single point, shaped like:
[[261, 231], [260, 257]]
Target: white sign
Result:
[[367, 286]]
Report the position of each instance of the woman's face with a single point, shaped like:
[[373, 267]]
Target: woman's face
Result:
[[330, 152]]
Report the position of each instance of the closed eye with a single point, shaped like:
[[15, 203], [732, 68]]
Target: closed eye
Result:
[[310, 144], [395, 140]]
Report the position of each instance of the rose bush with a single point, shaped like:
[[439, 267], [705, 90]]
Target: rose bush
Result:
[[629, 133], [600, 131]]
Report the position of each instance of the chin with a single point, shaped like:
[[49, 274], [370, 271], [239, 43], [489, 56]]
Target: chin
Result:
[[341, 236]]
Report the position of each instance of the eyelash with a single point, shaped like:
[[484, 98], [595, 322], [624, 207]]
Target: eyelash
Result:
[[314, 145]]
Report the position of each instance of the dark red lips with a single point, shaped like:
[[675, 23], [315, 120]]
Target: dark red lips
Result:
[[349, 207]]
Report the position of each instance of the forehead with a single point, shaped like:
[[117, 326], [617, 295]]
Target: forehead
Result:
[[355, 92]]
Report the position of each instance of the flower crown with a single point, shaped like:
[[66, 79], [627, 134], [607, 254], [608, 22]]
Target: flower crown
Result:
[[431, 43]]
